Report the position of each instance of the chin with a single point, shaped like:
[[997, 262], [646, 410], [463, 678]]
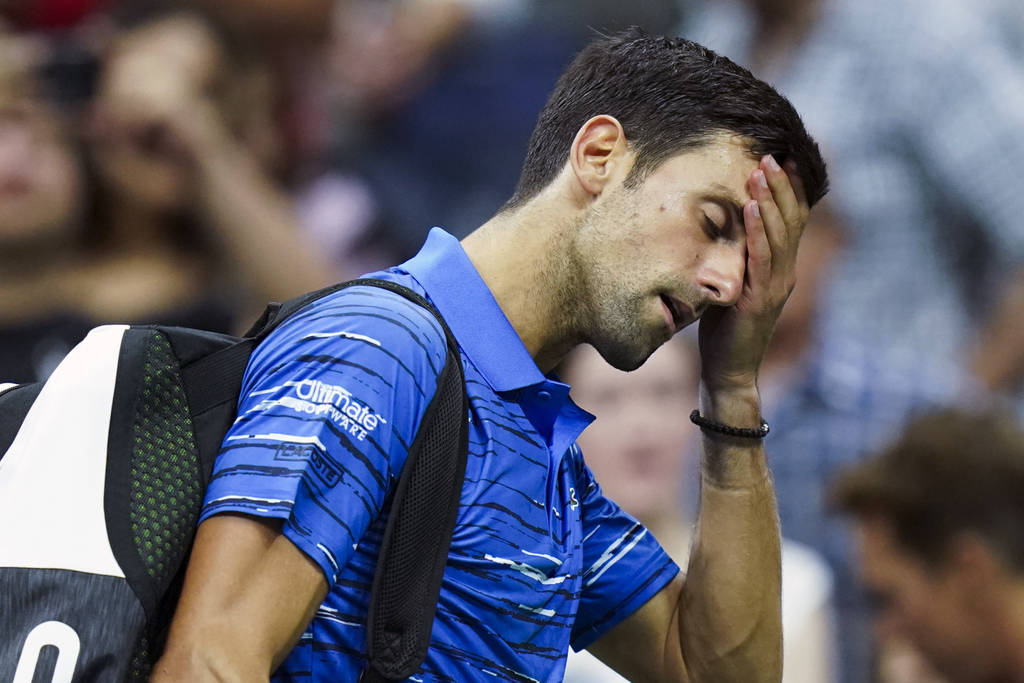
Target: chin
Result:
[[626, 357]]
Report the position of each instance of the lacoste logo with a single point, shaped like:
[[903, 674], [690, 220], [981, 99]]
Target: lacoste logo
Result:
[[324, 469]]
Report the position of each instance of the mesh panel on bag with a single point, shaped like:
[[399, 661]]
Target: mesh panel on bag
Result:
[[142, 661], [165, 471]]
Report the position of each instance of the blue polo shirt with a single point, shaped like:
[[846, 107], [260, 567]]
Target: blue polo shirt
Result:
[[540, 559]]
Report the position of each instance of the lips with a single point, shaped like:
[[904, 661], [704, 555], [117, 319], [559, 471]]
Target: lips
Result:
[[677, 313]]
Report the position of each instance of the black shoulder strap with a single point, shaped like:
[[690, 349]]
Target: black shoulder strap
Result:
[[215, 379], [414, 550]]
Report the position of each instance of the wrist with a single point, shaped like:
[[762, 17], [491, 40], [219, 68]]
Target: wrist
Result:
[[738, 405]]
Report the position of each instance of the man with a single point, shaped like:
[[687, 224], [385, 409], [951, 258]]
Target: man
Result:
[[938, 516], [649, 197]]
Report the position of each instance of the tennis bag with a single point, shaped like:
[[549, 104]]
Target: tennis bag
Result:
[[103, 469]]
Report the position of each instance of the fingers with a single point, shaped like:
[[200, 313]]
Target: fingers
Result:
[[796, 182], [775, 227], [790, 198], [759, 251], [774, 223]]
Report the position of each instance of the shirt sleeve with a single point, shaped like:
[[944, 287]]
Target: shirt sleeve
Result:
[[623, 565], [329, 406]]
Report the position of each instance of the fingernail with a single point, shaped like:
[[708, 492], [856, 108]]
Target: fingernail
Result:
[[772, 164], [761, 180], [755, 209]]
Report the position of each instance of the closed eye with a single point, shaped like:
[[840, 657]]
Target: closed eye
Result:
[[712, 229]]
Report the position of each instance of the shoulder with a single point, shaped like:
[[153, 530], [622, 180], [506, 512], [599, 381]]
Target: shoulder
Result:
[[376, 343], [360, 320], [387, 312]]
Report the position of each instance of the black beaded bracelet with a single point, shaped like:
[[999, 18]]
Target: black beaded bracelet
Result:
[[745, 432]]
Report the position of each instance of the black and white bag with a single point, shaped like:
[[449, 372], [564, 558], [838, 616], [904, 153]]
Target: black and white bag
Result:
[[103, 469]]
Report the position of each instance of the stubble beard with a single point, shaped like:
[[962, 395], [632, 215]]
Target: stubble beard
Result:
[[610, 303]]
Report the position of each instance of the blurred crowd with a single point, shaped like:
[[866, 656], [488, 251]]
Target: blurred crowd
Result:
[[186, 161]]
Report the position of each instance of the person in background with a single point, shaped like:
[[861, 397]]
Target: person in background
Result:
[[424, 83], [938, 515], [184, 144], [43, 200], [138, 186], [644, 457]]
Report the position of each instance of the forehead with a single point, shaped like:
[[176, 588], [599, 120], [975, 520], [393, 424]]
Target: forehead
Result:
[[719, 167]]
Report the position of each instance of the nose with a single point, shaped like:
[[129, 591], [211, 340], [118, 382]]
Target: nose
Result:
[[721, 276]]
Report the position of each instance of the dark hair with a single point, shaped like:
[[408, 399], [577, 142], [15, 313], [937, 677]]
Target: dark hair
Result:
[[949, 472], [670, 95]]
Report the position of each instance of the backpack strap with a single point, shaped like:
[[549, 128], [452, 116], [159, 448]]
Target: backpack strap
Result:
[[414, 550], [215, 379]]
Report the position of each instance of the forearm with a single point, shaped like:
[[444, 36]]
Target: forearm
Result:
[[255, 223], [248, 595], [247, 213], [211, 663], [730, 621]]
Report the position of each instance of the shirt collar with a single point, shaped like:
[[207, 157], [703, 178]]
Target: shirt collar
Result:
[[486, 336]]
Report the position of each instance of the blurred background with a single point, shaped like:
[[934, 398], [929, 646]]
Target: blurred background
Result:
[[185, 162]]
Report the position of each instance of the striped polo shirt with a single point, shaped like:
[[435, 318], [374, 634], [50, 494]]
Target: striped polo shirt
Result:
[[331, 401]]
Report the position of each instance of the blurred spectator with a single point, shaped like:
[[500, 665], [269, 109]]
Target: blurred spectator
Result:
[[183, 136], [919, 108], [179, 219], [439, 97], [276, 24], [42, 203], [50, 14], [644, 453], [938, 515]]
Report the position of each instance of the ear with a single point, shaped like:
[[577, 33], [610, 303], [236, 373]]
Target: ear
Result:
[[599, 153]]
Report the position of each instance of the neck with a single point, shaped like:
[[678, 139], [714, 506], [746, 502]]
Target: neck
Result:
[[520, 254]]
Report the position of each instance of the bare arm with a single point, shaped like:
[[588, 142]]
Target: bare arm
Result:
[[248, 594], [723, 622], [250, 215]]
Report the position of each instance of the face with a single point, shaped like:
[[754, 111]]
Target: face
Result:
[[155, 70], [929, 608], [151, 86], [635, 447], [40, 177], [651, 258]]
